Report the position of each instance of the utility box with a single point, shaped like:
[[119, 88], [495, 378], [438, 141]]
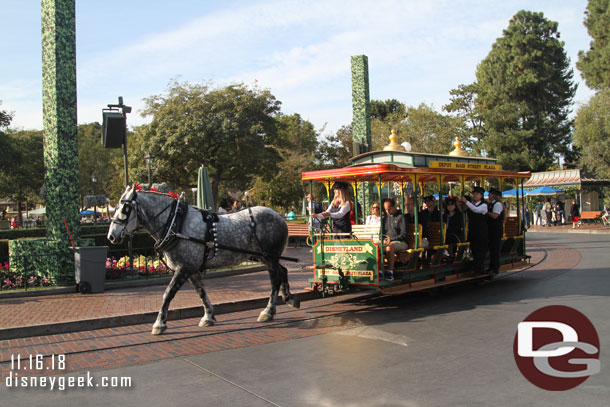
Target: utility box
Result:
[[90, 268]]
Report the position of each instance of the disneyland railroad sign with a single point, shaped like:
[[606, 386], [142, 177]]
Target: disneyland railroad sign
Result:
[[357, 259]]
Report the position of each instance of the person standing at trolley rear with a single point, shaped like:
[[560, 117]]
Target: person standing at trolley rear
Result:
[[495, 212], [477, 228], [340, 209]]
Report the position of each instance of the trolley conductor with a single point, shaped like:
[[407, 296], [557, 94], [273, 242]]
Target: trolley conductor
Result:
[[477, 228]]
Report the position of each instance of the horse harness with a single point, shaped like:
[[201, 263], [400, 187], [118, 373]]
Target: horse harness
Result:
[[173, 226]]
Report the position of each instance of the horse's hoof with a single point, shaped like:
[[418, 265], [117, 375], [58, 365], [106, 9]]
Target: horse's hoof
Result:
[[206, 322], [265, 317], [294, 302], [158, 329]]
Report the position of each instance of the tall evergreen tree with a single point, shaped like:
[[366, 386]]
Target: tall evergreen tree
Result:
[[594, 64], [525, 91]]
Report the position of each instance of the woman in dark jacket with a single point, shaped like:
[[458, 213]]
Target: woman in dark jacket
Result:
[[454, 232]]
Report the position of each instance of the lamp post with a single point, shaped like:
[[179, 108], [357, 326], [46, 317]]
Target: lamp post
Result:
[[93, 182], [148, 159]]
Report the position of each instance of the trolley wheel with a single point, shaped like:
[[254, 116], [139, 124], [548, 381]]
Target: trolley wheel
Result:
[[84, 287]]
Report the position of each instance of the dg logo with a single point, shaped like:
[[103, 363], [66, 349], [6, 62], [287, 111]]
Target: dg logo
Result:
[[556, 348]]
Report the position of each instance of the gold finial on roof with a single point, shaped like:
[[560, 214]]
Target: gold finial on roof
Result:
[[457, 149], [393, 146]]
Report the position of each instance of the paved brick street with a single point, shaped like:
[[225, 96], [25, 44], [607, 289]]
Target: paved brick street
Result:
[[27, 311]]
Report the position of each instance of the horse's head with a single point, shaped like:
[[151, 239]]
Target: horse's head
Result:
[[125, 219]]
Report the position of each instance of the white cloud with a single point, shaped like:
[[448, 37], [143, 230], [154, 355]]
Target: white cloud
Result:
[[417, 51]]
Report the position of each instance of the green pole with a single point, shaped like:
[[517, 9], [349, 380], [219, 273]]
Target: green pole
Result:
[[415, 211], [380, 223], [440, 207], [356, 200]]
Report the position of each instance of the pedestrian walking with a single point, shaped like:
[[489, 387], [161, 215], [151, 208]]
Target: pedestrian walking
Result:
[[575, 214]]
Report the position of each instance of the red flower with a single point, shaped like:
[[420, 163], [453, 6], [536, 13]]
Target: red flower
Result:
[[173, 195]]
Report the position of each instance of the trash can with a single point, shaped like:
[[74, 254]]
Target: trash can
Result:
[[90, 268]]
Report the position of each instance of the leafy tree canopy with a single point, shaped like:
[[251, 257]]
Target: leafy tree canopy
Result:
[[592, 134], [525, 91], [230, 130], [424, 128], [22, 176], [297, 141], [105, 163], [594, 64]]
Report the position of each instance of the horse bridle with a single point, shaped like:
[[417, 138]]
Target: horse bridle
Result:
[[128, 206]]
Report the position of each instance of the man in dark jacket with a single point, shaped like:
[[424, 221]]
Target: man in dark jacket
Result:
[[395, 228], [495, 228], [477, 228]]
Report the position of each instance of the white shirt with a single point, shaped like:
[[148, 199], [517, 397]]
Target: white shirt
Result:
[[222, 210], [481, 208], [497, 207], [342, 211], [373, 220]]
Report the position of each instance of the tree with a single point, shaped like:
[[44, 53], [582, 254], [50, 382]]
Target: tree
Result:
[[594, 64], [296, 144], [23, 174], [336, 150], [105, 163], [462, 103], [592, 133], [525, 92], [425, 129], [230, 130], [380, 110], [5, 118], [5, 153]]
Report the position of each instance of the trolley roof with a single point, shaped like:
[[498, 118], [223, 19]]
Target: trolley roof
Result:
[[397, 173]]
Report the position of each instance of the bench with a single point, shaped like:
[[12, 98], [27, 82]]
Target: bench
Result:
[[298, 230], [511, 232], [366, 232], [593, 216], [435, 242]]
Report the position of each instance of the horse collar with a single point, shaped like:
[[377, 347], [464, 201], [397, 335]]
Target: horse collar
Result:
[[172, 226]]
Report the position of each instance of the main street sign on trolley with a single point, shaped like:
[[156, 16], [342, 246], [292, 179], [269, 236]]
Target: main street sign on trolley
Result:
[[358, 260]]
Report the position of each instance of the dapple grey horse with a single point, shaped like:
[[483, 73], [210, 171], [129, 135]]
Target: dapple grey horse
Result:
[[151, 211]]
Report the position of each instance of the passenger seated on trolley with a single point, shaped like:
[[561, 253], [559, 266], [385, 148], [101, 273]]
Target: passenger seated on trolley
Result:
[[429, 214], [409, 208], [454, 233], [394, 229]]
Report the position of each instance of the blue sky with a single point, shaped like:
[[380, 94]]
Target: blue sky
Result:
[[418, 50]]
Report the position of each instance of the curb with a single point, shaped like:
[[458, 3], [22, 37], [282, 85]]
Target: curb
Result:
[[143, 318], [128, 283], [580, 231]]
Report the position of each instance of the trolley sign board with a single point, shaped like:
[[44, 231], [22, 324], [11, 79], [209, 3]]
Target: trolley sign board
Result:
[[464, 166], [357, 259]]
